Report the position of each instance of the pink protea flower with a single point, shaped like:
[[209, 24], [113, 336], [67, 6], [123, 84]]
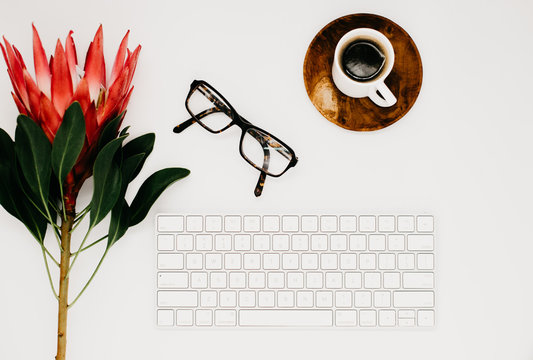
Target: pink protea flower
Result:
[[60, 81]]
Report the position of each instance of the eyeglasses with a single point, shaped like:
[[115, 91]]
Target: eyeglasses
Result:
[[262, 150]]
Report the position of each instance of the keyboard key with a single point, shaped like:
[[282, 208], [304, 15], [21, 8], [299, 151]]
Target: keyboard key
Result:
[[353, 280], [225, 317], [271, 223], [367, 318], [387, 318], [376, 242], [204, 317], [387, 261], [324, 299], [218, 280], [419, 242], [386, 223], [309, 261], [178, 280], [406, 223], [194, 261], [170, 223], [184, 242], [271, 261], [426, 318], [280, 242], [222, 242], [413, 299], [304, 299], [184, 317], [208, 298], [228, 298], [346, 318], [367, 261], [243, 242], [406, 261], [246, 298], [348, 261], [289, 223], [266, 298], [300, 242], [425, 261], [343, 299], [406, 322], [252, 223], [213, 261], [363, 299], [261, 242], [286, 318], [232, 261], [295, 280], [165, 317], [424, 223], [328, 223], [314, 280], [372, 280], [348, 223], [418, 280], [198, 280], [285, 299], [170, 261], [237, 280], [204, 242], [309, 223], [165, 242], [333, 280], [396, 242], [391, 280], [338, 242], [256, 280], [382, 299], [367, 223], [319, 242], [194, 223], [289, 261], [232, 223], [358, 242], [410, 314], [252, 261], [177, 298], [276, 280], [213, 223], [328, 261]]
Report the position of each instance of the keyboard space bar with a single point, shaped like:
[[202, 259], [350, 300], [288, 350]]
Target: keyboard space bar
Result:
[[285, 318]]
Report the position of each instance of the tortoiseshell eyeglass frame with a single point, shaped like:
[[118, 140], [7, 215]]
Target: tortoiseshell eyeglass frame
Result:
[[267, 140]]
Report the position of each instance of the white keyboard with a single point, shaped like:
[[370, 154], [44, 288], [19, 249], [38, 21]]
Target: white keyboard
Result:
[[295, 271]]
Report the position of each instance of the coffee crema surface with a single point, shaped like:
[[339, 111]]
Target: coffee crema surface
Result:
[[362, 60]]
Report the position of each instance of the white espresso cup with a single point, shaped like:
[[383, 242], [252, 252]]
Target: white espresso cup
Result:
[[357, 88]]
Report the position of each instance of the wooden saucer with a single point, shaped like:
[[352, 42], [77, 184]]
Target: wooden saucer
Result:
[[362, 114]]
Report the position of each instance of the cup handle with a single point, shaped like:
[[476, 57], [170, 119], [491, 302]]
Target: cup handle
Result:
[[388, 98]]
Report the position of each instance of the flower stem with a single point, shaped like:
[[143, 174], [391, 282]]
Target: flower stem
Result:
[[48, 273], [91, 245], [90, 279]]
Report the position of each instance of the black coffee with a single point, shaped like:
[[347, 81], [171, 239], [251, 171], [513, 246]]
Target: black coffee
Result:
[[362, 60]]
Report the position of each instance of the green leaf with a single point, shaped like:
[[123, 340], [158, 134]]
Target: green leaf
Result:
[[119, 222], [107, 181], [129, 168], [11, 196], [110, 131], [68, 142], [142, 145], [33, 153], [150, 191]]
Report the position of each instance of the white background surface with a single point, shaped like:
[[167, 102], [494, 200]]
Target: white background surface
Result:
[[463, 152]]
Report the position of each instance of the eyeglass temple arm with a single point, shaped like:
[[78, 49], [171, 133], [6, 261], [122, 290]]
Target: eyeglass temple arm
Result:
[[184, 125], [262, 177]]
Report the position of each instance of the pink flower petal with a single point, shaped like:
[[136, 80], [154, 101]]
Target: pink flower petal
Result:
[[15, 68], [49, 116], [42, 70], [20, 107], [34, 94], [82, 95], [61, 81], [72, 58], [95, 65]]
